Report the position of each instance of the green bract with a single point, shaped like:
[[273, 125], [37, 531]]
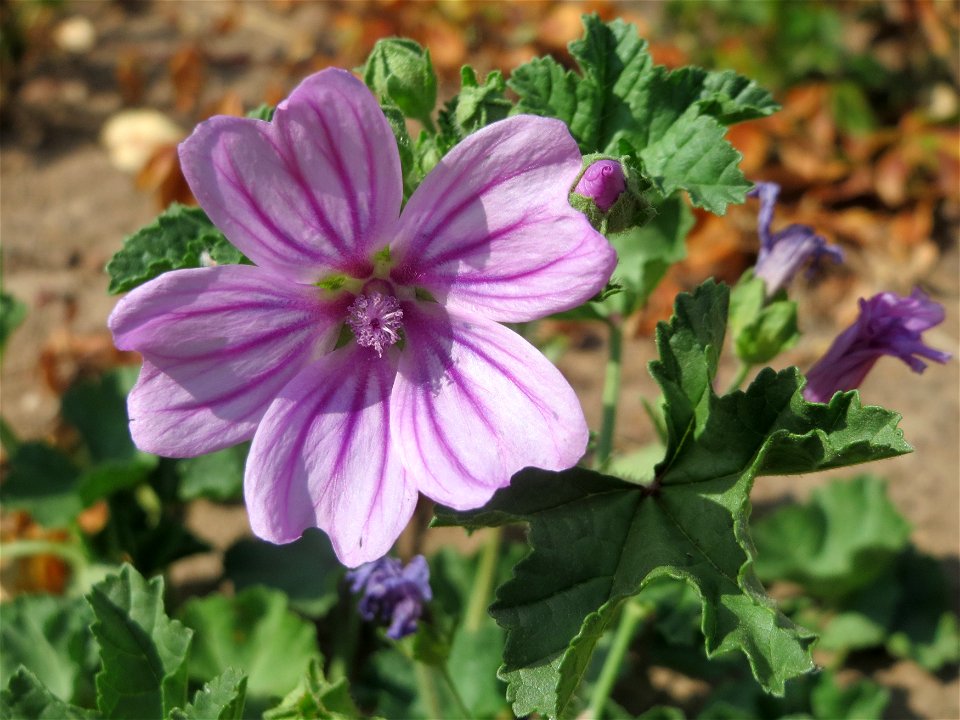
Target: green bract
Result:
[[598, 540]]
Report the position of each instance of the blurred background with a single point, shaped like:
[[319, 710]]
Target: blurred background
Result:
[[96, 94]]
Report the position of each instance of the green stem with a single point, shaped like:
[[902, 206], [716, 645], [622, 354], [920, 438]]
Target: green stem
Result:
[[611, 395], [461, 705], [741, 375], [632, 614], [428, 125], [26, 548], [427, 690], [344, 644], [483, 582]]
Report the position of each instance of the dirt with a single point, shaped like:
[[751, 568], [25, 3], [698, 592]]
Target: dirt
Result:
[[64, 208]]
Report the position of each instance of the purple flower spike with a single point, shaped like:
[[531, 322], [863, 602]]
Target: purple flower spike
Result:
[[429, 392], [888, 325], [604, 182], [782, 254], [391, 594]]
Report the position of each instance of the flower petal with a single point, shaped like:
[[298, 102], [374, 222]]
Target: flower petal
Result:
[[322, 457], [474, 403], [218, 345], [315, 191], [490, 230]]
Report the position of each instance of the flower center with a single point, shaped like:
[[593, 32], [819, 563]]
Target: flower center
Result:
[[376, 320]]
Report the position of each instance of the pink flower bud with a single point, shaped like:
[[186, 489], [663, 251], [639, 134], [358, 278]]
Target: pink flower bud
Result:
[[603, 182]]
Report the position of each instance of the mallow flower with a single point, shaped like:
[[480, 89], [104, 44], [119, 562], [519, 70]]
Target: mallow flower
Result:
[[603, 182], [784, 253], [888, 324], [362, 351], [392, 594]]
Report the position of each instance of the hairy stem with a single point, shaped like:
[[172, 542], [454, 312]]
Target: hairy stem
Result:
[[741, 375], [427, 689], [631, 615], [483, 581], [611, 395]]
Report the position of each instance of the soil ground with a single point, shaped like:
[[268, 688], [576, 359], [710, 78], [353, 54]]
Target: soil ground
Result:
[[64, 209]]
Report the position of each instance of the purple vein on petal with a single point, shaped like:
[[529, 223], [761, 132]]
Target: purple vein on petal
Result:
[[296, 173], [429, 233], [278, 233], [342, 174]]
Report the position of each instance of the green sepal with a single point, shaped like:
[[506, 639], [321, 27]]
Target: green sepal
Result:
[[408, 166], [400, 72], [761, 327]]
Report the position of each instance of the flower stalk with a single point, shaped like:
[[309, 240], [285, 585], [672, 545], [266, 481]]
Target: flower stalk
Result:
[[611, 395]]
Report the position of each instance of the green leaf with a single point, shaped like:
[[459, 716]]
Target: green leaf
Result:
[[924, 627], [42, 481], [476, 106], [12, 313], [177, 239], [597, 540], [97, 408], [26, 698], [144, 652], [217, 476], [644, 254], [674, 121], [50, 637], [220, 699], [819, 546], [860, 700], [255, 632], [316, 697], [251, 562]]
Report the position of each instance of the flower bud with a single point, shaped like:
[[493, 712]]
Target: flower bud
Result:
[[399, 71], [392, 594], [603, 182]]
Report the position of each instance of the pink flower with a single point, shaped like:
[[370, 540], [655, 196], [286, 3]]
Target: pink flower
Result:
[[424, 391]]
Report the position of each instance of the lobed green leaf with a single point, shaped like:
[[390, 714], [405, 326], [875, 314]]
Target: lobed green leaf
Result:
[[26, 698], [143, 652], [597, 540], [220, 699], [674, 121], [179, 238]]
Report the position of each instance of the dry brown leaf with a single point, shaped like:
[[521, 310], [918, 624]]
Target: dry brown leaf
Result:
[[187, 74]]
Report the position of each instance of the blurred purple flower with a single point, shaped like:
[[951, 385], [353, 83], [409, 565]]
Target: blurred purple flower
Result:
[[392, 594], [782, 254], [887, 325], [604, 182], [429, 393]]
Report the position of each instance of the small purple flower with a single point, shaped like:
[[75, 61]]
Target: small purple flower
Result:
[[391, 594], [604, 182], [363, 352], [888, 325], [782, 254]]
